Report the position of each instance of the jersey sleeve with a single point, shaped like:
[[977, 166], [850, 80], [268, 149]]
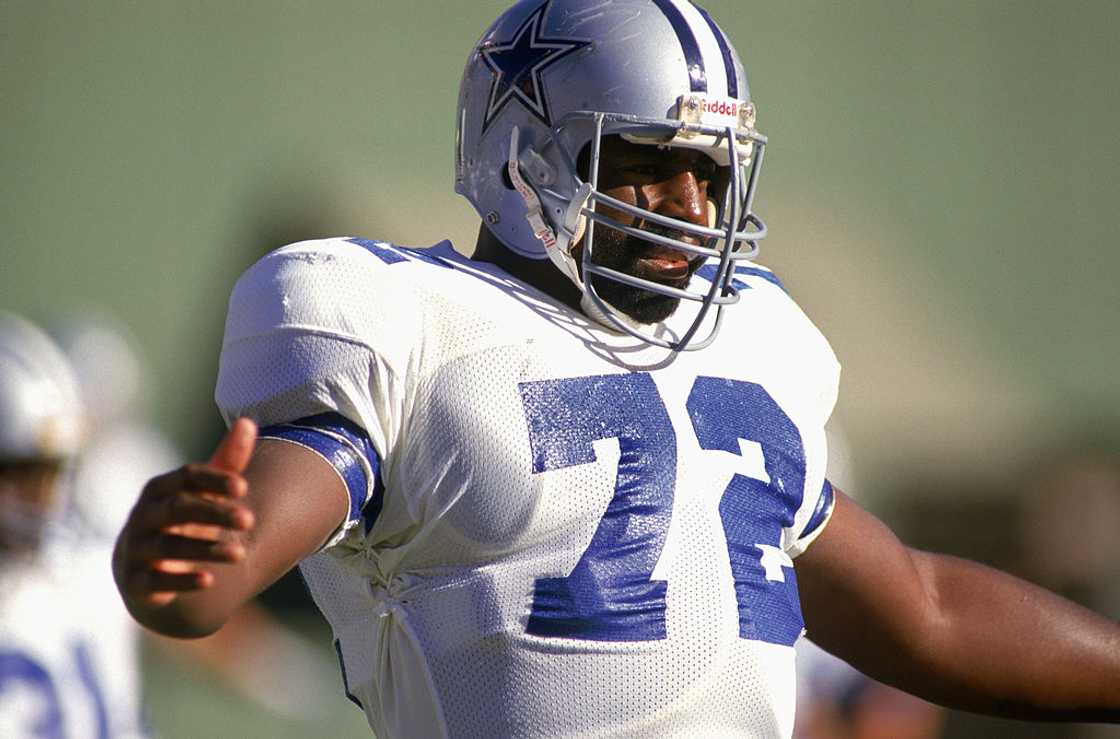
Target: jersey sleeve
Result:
[[820, 499], [819, 516], [811, 381], [316, 351]]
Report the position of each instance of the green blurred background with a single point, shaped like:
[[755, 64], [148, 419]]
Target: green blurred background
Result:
[[940, 187]]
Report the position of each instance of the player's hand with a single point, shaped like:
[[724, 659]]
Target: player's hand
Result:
[[184, 521]]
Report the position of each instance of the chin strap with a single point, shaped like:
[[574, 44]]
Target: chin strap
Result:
[[535, 215], [556, 251]]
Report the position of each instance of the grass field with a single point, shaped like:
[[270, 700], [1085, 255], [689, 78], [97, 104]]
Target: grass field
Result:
[[188, 701]]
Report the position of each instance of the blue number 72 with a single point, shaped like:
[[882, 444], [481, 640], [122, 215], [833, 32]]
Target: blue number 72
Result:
[[609, 595]]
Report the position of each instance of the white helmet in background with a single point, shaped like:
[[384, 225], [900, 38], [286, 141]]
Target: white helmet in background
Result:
[[41, 429], [41, 416]]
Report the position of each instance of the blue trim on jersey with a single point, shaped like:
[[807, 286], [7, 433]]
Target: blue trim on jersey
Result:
[[698, 78], [379, 249], [725, 51], [356, 435], [424, 255], [708, 272], [344, 444], [17, 668], [764, 274], [393, 254], [821, 512], [88, 675], [338, 453]]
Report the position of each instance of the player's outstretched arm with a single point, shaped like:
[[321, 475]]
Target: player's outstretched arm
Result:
[[952, 631], [205, 538]]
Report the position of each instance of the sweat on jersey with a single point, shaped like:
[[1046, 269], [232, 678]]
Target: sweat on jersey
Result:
[[554, 529]]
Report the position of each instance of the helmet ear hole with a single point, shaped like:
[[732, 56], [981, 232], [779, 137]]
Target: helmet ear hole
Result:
[[506, 180]]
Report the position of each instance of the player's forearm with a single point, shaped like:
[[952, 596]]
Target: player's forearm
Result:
[[955, 632], [997, 644]]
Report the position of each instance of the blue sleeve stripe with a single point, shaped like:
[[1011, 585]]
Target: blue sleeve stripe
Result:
[[821, 512], [347, 448], [339, 425]]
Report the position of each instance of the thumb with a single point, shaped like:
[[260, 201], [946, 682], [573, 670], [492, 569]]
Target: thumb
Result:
[[236, 447]]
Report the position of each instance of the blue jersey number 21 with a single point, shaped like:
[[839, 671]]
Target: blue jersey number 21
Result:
[[609, 595]]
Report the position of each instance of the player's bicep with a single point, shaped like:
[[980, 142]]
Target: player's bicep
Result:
[[298, 499], [863, 595]]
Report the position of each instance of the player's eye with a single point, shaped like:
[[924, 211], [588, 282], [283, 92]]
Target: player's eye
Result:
[[705, 170]]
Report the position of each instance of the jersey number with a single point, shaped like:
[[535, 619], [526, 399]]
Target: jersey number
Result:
[[610, 594], [18, 670]]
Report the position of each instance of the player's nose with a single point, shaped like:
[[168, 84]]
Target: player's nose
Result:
[[681, 196]]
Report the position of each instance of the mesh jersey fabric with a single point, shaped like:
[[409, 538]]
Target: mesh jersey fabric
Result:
[[581, 535]]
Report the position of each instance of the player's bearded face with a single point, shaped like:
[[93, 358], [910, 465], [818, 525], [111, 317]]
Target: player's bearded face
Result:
[[670, 182], [629, 254]]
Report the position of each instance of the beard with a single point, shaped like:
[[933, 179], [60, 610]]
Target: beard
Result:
[[620, 252]]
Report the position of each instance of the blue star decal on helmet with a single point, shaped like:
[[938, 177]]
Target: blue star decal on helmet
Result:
[[517, 66]]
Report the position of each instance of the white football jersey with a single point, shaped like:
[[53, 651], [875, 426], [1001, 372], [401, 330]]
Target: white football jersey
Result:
[[555, 529], [68, 652]]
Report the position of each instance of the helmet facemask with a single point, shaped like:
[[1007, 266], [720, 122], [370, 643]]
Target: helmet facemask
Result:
[[566, 211], [41, 428]]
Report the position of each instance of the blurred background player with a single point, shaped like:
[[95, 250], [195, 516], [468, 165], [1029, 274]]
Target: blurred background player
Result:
[[67, 651]]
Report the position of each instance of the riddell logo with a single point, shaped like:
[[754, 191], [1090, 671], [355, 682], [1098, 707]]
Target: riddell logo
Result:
[[721, 107]]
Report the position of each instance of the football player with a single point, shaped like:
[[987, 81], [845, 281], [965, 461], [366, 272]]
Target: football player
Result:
[[67, 656], [560, 488]]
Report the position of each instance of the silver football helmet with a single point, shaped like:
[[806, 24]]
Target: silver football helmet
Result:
[[41, 423], [549, 80], [41, 415]]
